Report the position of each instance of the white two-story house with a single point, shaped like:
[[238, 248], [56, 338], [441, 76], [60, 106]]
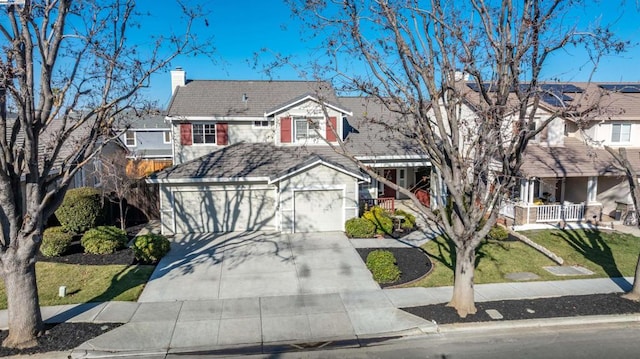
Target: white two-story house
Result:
[[253, 155]]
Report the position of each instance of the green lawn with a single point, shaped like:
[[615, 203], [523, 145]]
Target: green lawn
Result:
[[606, 253], [86, 283]]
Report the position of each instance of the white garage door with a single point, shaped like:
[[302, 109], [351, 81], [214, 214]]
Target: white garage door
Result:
[[224, 211], [318, 211]]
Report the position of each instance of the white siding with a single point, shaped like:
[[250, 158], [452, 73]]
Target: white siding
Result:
[[319, 177]]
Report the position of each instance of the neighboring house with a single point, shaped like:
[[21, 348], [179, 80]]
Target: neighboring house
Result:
[[566, 173], [148, 140]]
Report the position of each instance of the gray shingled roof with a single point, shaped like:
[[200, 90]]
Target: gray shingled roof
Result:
[[225, 98], [134, 121], [376, 131], [251, 160], [574, 159]]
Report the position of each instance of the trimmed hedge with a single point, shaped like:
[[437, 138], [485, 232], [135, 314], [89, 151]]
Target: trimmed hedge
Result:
[[409, 219], [380, 218], [382, 264], [55, 241], [81, 209], [103, 240], [150, 248], [359, 228]]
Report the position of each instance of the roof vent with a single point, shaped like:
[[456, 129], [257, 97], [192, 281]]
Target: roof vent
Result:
[[245, 98]]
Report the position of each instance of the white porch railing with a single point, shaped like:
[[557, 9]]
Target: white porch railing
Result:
[[558, 212], [508, 209]]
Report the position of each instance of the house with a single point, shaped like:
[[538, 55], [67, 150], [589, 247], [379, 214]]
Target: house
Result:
[[148, 141], [253, 155], [567, 175]]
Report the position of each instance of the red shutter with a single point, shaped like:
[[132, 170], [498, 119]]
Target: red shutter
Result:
[[285, 130], [331, 135], [185, 134], [222, 136]]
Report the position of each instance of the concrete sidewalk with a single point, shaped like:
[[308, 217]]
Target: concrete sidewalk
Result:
[[259, 323]]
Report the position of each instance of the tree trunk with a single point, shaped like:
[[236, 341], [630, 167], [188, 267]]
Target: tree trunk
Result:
[[463, 295], [25, 320], [634, 294]]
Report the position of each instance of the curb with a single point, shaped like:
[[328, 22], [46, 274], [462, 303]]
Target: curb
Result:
[[539, 323]]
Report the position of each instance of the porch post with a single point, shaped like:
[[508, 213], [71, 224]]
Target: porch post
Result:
[[562, 189], [524, 191], [592, 189], [531, 189]]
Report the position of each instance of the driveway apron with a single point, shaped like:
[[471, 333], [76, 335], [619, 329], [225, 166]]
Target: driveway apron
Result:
[[257, 264]]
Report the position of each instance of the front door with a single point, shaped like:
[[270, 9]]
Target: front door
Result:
[[390, 175]]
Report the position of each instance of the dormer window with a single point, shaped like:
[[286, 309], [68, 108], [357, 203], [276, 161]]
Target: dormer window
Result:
[[306, 128]]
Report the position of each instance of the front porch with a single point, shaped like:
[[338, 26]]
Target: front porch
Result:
[[562, 200]]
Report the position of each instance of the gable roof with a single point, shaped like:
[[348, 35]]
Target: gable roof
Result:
[[141, 121], [242, 98], [254, 162]]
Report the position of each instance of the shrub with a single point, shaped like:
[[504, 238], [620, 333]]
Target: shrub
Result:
[[382, 265], [498, 233], [151, 247], [81, 209], [381, 219], [55, 241], [409, 219], [103, 240], [359, 228]]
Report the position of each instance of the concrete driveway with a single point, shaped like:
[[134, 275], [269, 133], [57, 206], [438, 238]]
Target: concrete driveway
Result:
[[257, 264]]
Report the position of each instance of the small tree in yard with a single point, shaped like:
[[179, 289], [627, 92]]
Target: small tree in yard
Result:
[[414, 55], [67, 68]]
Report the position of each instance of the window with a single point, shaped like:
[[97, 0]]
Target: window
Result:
[[204, 133], [167, 136], [621, 132], [130, 139], [261, 124], [306, 128]]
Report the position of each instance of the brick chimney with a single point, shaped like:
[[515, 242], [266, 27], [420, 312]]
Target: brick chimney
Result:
[[178, 78]]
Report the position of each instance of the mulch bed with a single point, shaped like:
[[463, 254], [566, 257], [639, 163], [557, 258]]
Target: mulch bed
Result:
[[568, 306], [412, 262], [60, 337], [75, 255]]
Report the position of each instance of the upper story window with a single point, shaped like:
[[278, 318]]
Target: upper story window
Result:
[[166, 137], [306, 128], [261, 124], [130, 138], [204, 133], [621, 132]]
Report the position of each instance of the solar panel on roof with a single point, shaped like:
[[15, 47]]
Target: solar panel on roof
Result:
[[622, 88], [556, 88]]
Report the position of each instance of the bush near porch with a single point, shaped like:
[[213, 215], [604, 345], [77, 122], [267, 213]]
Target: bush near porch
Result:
[[606, 253], [379, 221]]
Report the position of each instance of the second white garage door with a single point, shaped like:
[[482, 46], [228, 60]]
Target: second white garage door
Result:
[[224, 210], [318, 211]]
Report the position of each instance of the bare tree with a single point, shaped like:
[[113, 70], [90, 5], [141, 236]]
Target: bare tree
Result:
[[68, 67], [620, 157], [417, 56]]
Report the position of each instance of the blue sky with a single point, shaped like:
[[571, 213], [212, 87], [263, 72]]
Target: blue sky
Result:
[[242, 28]]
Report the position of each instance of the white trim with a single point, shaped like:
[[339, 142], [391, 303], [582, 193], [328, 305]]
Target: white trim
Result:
[[150, 129], [169, 157], [213, 118], [164, 136], [207, 180], [302, 169], [304, 99], [392, 157], [399, 164]]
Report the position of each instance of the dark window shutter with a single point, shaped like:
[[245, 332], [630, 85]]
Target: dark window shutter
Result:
[[331, 136], [185, 134], [285, 130], [222, 136]]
